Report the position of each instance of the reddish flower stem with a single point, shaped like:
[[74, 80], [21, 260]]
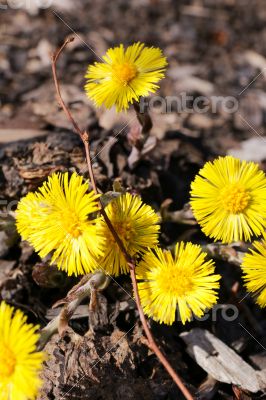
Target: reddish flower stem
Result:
[[85, 139]]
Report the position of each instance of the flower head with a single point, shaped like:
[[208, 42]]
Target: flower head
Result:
[[125, 75], [58, 218], [136, 225], [254, 269], [228, 199], [20, 363], [185, 280], [29, 209]]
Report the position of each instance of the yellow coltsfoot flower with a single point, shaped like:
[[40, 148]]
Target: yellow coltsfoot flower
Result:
[[228, 199], [185, 280], [125, 75], [60, 218], [20, 363], [29, 209], [136, 224], [254, 269]]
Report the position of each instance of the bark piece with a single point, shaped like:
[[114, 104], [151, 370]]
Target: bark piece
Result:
[[221, 362]]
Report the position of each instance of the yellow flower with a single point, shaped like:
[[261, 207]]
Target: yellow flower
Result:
[[137, 226], [254, 269], [58, 218], [125, 75], [29, 209], [185, 280], [228, 199], [20, 363]]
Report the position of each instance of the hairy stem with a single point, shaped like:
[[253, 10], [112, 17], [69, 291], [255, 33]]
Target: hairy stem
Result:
[[131, 263], [143, 118], [85, 288]]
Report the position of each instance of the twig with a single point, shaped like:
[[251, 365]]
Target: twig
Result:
[[60, 99], [85, 138], [88, 286]]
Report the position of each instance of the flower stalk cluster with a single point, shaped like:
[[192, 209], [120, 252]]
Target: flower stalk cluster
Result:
[[66, 219], [130, 262]]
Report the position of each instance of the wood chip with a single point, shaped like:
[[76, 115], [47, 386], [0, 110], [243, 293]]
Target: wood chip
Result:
[[221, 362], [12, 135]]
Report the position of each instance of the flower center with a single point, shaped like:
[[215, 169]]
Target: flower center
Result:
[[71, 223], [234, 198], [7, 362], [176, 283], [124, 72], [124, 230]]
